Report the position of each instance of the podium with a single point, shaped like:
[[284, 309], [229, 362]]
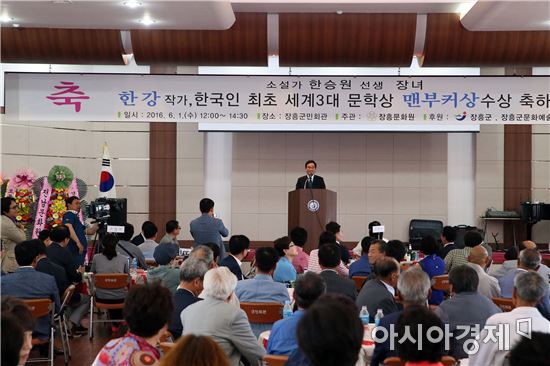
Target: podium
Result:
[[311, 209]]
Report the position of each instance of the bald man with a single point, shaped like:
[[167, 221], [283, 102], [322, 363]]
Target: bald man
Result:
[[479, 260], [512, 264]]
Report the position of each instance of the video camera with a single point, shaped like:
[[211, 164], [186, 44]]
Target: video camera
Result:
[[112, 211]]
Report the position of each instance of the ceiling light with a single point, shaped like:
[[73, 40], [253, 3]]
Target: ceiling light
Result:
[[147, 20], [5, 18], [15, 25], [339, 12], [132, 4]]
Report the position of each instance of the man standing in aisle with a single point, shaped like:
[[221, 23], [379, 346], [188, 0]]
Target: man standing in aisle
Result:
[[207, 228], [310, 180], [78, 245]]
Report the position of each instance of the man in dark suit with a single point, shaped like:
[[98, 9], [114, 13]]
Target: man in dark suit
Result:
[[140, 238], [310, 180], [414, 288], [379, 293], [27, 283], [44, 265], [238, 248], [447, 239], [329, 259], [57, 253], [207, 228], [192, 273]]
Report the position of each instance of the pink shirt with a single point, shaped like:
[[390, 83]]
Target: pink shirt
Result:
[[130, 350], [300, 261], [313, 264]]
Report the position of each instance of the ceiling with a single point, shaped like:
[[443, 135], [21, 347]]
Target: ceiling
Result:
[[482, 15]]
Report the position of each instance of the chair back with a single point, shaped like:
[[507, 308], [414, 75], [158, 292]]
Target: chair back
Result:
[[274, 360], [111, 280], [359, 281], [67, 295], [441, 283], [39, 307], [503, 303], [263, 312]]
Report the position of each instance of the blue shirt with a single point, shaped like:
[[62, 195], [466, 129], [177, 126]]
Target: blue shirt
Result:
[[282, 340], [360, 267], [285, 271], [80, 230], [433, 265]]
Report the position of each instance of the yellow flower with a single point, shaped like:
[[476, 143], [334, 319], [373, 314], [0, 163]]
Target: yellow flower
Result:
[[18, 218], [55, 216]]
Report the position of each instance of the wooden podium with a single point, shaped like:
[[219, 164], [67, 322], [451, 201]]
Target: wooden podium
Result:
[[311, 209]]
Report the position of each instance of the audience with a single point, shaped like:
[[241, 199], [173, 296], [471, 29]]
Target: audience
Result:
[[313, 263], [215, 252], [414, 289], [529, 287], [10, 234], [108, 262], [511, 262], [173, 230], [285, 271], [529, 260], [44, 237], [377, 236], [195, 350], [147, 311], [191, 273], [44, 265], [329, 258], [458, 311], [433, 265], [329, 334], [17, 329], [166, 272], [377, 250], [432, 349], [379, 293], [27, 283], [140, 238], [448, 236], [308, 288], [148, 246], [362, 266], [298, 235], [531, 351], [238, 250], [479, 260], [229, 327], [396, 249], [128, 249], [458, 257], [335, 228]]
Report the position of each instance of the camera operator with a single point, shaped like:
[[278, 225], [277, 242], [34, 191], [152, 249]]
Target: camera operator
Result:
[[78, 244]]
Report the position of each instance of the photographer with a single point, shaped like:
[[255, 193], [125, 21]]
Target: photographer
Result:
[[78, 244]]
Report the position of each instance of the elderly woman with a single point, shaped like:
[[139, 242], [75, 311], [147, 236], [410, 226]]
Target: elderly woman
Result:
[[12, 234], [216, 317], [285, 271]]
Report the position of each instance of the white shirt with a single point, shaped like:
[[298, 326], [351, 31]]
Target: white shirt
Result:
[[489, 353], [237, 259], [488, 285], [390, 288]]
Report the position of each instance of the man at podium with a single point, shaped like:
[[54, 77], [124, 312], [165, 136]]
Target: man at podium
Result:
[[310, 180]]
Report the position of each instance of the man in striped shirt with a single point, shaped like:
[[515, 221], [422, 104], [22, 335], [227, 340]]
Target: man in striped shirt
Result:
[[458, 257]]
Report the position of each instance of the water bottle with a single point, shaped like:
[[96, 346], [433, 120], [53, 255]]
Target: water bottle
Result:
[[133, 267], [364, 315], [287, 310], [378, 317]]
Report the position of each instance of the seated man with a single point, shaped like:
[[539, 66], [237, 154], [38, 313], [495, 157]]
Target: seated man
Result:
[[282, 340], [329, 258], [465, 295], [27, 283], [217, 318], [396, 249], [529, 287], [529, 260], [447, 238], [129, 249], [166, 272], [313, 262], [298, 235], [379, 293], [458, 257], [148, 246], [512, 263], [173, 230], [414, 288], [238, 250], [362, 266], [263, 288], [192, 273], [44, 265], [479, 260]]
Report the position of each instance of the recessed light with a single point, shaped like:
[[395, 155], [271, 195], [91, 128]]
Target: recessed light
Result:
[[5, 18], [339, 12], [132, 3], [15, 25], [147, 20]]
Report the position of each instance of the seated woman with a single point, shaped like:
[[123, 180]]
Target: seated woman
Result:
[[109, 262], [195, 350], [218, 318], [433, 265], [147, 311], [17, 327], [285, 271]]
